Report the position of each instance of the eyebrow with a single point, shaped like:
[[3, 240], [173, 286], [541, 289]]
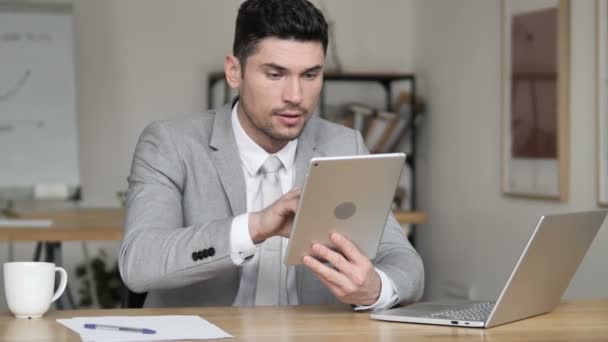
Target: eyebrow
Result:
[[283, 69]]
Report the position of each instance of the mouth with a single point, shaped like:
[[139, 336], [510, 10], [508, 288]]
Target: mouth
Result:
[[290, 118]]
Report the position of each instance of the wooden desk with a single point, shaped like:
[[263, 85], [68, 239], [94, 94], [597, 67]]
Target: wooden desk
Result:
[[572, 321]]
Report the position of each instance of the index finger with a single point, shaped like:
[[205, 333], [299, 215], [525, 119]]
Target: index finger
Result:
[[293, 193]]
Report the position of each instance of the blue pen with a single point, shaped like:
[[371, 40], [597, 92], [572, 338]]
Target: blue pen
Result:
[[118, 328]]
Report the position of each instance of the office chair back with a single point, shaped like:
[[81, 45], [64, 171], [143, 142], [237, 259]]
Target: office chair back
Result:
[[132, 300]]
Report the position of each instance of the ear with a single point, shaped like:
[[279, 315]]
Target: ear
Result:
[[232, 69]]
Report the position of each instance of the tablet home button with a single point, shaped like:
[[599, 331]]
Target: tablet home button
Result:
[[345, 210]]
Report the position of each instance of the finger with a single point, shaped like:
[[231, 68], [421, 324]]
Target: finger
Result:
[[339, 291], [336, 290], [348, 249], [288, 204], [286, 231], [335, 259], [287, 227], [288, 207], [327, 274], [295, 192]]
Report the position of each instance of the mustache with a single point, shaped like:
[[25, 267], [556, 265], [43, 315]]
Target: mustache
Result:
[[290, 108]]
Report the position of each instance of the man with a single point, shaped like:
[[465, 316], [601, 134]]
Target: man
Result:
[[201, 228]]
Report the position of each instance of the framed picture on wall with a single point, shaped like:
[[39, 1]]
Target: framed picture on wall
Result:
[[602, 102], [535, 98]]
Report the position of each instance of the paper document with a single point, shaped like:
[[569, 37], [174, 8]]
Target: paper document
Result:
[[166, 328], [25, 223]]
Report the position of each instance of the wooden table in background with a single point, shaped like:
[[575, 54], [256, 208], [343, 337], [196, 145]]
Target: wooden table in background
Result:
[[571, 321], [104, 224], [84, 224]]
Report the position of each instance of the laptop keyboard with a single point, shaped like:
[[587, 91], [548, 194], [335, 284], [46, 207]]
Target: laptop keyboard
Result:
[[477, 312]]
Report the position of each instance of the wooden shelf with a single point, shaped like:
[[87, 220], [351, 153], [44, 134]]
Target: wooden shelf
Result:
[[333, 76], [410, 217]]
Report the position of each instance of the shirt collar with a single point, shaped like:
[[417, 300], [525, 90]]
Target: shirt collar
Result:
[[252, 155]]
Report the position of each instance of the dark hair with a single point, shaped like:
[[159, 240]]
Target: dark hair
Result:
[[284, 19]]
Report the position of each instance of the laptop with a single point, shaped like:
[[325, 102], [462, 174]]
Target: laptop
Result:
[[536, 284]]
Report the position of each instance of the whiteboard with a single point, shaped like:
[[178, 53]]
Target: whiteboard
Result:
[[38, 131]]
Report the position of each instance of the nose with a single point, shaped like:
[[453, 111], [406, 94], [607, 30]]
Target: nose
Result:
[[293, 91]]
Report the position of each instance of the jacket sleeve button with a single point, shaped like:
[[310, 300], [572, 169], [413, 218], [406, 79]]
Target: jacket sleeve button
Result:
[[194, 256], [211, 251]]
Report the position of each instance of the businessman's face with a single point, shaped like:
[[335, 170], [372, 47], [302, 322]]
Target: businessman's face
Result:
[[278, 88]]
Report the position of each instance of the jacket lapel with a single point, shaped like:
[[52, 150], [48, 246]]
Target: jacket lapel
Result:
[[307, 149], [227, 160]]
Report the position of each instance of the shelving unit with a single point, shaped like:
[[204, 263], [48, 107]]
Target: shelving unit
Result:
[[386, 81]]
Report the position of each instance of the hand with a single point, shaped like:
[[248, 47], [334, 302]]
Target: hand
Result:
[[353, 280], [276, 219]]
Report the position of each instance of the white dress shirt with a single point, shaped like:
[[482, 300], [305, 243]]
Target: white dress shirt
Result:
[[244, 251]]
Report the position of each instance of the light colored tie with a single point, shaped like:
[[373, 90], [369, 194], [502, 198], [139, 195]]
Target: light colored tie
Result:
[[268, 289]]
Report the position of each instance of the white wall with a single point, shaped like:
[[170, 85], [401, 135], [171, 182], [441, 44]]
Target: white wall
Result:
[[475, 234], [140, 61]]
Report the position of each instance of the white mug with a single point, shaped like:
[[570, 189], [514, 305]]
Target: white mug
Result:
[[28, 287]]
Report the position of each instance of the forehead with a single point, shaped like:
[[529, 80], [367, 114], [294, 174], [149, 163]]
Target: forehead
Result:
[[290, 54]]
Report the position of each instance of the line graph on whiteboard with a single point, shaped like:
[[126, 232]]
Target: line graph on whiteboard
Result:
[[6, 95], [11, 91]]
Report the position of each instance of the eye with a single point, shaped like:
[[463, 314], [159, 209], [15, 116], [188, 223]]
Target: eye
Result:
[[273, 75], [310, 75]]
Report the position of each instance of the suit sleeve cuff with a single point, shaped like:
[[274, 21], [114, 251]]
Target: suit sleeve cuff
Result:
[[241, 246], [388, 295]]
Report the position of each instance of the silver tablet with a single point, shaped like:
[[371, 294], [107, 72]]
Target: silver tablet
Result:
[[349, 195]]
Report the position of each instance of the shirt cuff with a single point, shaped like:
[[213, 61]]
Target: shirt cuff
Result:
[[241, 246], [388, 295]]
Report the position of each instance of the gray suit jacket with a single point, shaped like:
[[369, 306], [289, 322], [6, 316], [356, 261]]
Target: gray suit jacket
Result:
[[185, 187]]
